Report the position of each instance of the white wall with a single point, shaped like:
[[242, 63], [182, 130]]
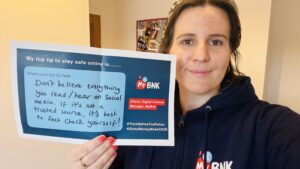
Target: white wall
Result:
[[283, 64], [255, 22]]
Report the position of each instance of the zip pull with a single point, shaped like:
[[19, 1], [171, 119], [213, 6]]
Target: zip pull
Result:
[[181, 121]]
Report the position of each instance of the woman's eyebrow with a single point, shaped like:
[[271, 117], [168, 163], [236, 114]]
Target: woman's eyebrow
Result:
[[192, 35], [185, 35], [219, 35]]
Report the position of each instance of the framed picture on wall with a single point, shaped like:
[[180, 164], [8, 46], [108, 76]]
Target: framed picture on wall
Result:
[[149, 34]]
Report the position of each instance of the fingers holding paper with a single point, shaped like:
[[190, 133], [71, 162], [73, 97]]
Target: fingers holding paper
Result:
[[97, 153]]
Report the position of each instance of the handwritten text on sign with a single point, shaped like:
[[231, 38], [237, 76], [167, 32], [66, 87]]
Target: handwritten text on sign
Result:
[[68, 99]]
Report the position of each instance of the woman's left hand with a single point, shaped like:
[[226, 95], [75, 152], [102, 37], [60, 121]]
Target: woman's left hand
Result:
[[97, 153]]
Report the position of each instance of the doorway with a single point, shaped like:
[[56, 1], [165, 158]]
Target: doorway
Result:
[[95, 30]]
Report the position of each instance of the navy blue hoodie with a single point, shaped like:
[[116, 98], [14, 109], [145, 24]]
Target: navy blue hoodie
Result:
[[234, 128]]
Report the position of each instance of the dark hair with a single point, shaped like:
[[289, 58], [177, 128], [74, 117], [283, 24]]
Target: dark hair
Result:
[[231, 10]]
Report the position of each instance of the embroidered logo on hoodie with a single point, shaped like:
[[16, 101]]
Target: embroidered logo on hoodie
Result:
[[210, 164]]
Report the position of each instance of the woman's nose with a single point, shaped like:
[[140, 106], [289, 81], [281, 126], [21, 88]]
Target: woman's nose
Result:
[[201, 53]]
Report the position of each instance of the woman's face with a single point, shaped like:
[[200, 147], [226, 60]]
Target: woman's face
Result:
[[201, 45]]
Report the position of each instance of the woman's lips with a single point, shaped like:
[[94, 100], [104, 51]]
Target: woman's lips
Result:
[[200, 73]]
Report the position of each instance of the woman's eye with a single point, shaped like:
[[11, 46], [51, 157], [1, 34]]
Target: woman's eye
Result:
[[215, 42], [187, 42]]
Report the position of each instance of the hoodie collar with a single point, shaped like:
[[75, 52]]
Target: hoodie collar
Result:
[[231, 94]]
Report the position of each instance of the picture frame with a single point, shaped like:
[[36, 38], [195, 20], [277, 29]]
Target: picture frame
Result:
[[149, 33]]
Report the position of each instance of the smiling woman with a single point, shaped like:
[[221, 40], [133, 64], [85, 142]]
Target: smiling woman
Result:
[[203, 53]]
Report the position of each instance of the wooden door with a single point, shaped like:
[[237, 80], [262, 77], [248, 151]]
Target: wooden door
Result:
[[95, 30]]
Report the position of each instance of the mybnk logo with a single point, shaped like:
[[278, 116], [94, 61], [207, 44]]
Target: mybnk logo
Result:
[[143, 83], [210, 164]]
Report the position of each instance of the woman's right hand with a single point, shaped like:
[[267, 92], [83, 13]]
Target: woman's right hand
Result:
[[97, 153]]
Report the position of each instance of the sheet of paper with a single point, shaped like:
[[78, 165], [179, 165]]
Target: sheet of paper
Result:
[[73, 94]]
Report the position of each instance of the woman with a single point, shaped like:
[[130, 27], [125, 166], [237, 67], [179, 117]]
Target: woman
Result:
[[220, 123]]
